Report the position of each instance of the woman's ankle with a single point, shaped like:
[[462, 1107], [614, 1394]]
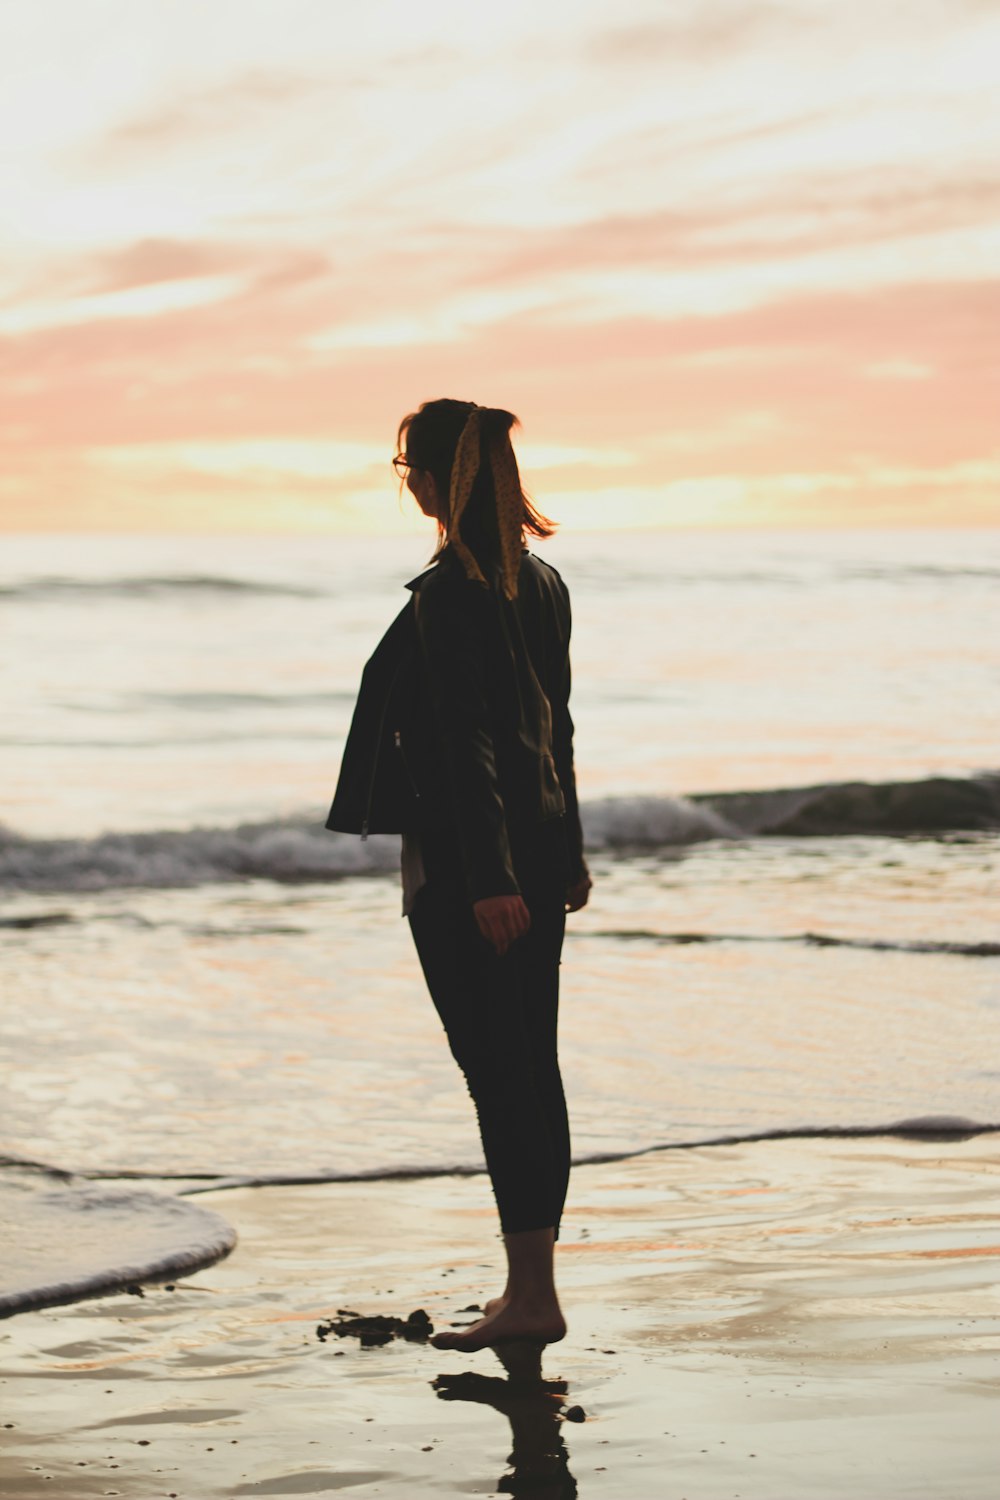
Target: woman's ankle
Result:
[[533, 1299]]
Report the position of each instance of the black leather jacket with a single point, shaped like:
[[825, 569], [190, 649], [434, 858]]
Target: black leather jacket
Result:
[[463, 720]]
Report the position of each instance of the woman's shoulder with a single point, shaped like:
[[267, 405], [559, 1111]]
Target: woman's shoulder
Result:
[[544, 575], [539, 565]]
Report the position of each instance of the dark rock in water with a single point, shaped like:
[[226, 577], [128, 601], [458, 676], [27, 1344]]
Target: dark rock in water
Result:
[[419, 1325], [575, 1414], [937, 805], [377, 1328]]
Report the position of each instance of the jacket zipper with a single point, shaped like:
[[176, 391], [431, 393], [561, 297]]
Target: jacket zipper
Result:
[[397, 736], [378, 741]]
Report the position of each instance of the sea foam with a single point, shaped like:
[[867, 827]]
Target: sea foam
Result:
[[61, 1240]]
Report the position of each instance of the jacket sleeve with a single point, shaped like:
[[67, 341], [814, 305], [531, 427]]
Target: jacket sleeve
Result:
[[451, 631], [562, 753]]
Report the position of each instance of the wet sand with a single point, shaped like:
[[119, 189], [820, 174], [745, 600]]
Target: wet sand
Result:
[[768, 1321]]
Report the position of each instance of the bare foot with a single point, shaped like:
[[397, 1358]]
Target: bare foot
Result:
[[505, 1320]]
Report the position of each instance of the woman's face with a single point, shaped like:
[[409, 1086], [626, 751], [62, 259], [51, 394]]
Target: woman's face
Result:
[[420, 483]]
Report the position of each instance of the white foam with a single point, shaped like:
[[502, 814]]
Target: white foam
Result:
[[300, 849], [285, 851], [61, 1243], [629, 821]]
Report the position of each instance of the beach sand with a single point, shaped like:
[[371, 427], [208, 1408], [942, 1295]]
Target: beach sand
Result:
[[780, 1319]]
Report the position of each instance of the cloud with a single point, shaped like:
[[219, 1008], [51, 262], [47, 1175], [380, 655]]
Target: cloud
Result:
[[868, 495], [702, 34], [799, 219], [247, 457], [153, 277], [134, 303], [156, 260], [898, 369], [229, 106]]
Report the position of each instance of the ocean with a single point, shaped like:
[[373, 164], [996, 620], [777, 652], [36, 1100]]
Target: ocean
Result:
[[790, 783]]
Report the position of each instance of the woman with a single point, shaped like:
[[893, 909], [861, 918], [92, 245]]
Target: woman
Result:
[[462, 741]]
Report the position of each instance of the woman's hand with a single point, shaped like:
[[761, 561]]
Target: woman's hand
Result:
[[579, 893], [501, 920]]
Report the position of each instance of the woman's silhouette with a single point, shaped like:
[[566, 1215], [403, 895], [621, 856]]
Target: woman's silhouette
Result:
[[462, 741]]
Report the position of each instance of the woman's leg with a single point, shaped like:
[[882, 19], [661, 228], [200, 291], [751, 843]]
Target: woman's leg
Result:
[[540, 969], [500, 1016]]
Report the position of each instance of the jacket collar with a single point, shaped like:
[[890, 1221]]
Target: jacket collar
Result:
[[421, 578], [416, 583]]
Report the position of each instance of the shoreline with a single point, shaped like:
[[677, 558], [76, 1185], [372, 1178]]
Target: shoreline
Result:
[[814, 1317], [144, 1214], [929, 1128]]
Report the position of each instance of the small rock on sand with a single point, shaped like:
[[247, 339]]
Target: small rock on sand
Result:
[[377, 1328]]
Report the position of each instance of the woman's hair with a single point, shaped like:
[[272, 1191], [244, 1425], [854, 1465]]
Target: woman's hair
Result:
[[429, 438]]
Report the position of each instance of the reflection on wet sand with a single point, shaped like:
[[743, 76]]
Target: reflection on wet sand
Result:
[[536, 1410]]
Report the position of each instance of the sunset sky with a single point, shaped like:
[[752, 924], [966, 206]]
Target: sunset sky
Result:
[[730, 263]]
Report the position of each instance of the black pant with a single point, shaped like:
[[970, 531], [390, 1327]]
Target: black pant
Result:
[[500, 1015]]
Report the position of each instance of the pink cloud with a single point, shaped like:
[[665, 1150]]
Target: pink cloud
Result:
[[224, 106], [155, 260], [703, 34], [854, 209], [240, 369]]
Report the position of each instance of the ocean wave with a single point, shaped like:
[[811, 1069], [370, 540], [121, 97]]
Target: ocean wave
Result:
[[38, 919], [64, 1240], [300, 849], [937, 804], [192, 1183], [288, 851], [257, 928], [652, 822], [55, 588], [208, 700], [919, 572], [214, 699], [801, 574], [808, 939]]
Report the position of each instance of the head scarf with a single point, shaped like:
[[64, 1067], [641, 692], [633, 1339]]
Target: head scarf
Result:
[[509, 500]]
